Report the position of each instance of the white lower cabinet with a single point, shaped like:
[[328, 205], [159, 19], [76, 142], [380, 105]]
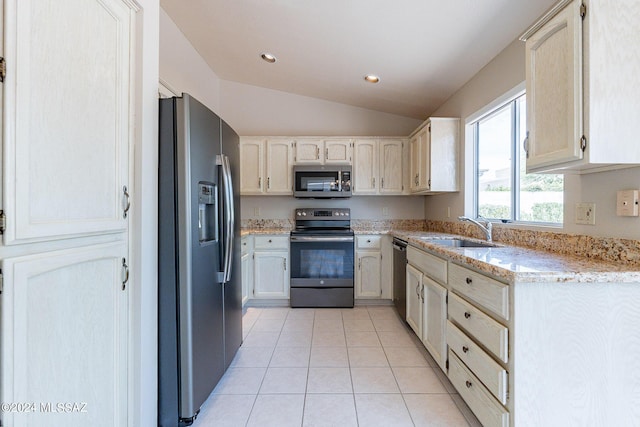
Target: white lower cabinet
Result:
[[368, 268], [427, 301], [434, 317], [478, 343], [247, 267], [271, 267], [488, 411], [414, 299]]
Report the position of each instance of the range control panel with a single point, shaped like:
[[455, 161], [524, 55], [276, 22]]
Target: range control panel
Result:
[[324, 214]]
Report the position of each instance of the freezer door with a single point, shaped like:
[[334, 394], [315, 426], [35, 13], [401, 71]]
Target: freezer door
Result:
[[201, 307]]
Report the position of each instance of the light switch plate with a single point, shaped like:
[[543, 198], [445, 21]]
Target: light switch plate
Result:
[[627, 203], [586, 213]]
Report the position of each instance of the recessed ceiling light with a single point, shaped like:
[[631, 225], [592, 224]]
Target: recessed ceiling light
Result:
[[268, 57], [372, 78]]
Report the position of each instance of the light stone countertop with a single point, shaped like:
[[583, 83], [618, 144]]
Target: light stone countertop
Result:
[[508, 263], [517, 264]]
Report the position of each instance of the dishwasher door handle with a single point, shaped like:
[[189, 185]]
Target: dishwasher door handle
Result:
[[399, 248]]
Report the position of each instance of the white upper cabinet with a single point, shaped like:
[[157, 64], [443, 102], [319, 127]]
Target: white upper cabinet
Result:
[[365, 168], [391, 166], [67, 120], [279, 166], [434, 156], [378, 166], [582, 91], [266, 166], [252, 166], [321, 151]]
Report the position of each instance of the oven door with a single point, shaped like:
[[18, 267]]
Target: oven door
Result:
[[322, 261]]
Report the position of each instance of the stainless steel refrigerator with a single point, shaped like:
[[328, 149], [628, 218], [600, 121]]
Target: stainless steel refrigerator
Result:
[[199, 277]]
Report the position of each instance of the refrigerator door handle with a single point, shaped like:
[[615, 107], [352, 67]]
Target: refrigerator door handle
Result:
[[229, 220]]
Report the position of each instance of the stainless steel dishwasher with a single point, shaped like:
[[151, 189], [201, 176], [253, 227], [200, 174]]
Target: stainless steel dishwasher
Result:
[[399, 276]]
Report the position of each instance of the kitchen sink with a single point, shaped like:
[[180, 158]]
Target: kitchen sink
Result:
[[461, 243]]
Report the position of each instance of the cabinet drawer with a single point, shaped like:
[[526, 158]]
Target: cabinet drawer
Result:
[[368, 242], [431, 265], [271, 242], [246, 244], [486, 331], [492, 375], [489, 293], [489, 412]]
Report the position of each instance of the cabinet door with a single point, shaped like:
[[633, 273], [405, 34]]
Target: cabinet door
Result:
[[251, 168], [420, 158], [554, 90], [67, 118], [309, 151], [337, 151], [434, 317], [414, 299], [247, 276], [65, 336], [414, 165], [279, 161], [368, 274], [424, 182], [391, 166], [365, 168], [271, 274]]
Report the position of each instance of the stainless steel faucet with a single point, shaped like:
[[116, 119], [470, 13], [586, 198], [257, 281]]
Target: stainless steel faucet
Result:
[[486, 229]]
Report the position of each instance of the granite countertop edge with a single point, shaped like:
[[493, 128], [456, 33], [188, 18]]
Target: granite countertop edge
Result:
[[507, 263]]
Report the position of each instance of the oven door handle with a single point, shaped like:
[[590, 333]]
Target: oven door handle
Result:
[[322, 238]]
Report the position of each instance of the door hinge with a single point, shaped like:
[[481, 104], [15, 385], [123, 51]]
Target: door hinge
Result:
[[583, 143], [3, 69], [583, 10], [3, 222]]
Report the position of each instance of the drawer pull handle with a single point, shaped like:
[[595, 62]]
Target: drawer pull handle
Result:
[[469, 281], [465, 349], [467, 315], [468, 384]]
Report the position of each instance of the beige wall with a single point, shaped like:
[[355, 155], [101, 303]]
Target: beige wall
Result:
[[183, 69], [254, 111], [502, 74], [362, 207]]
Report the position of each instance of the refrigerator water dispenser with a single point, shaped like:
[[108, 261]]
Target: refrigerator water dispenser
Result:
[[207, 212]]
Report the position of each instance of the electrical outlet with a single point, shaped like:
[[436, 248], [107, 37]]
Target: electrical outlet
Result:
[[627, 203], [256, 211], [385, 211], [448, 211], [586, 213]]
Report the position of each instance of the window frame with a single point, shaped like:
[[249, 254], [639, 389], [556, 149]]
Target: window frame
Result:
[[508, 100]]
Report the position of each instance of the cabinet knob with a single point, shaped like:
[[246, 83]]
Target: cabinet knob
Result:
[[269, 240], [468, 384], [467, 315], [368, 240], [469, 281], [465, 349]]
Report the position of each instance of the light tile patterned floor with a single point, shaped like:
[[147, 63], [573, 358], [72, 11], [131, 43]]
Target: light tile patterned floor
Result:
[[332, 367]]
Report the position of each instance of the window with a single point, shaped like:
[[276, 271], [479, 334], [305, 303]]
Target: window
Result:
[[504, 191]]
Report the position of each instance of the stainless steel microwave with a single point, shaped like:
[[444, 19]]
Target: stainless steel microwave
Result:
[[322, 181]]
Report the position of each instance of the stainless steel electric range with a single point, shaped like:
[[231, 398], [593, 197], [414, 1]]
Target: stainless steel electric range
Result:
[[322, 258]]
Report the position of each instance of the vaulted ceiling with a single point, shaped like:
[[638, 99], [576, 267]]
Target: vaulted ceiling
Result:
[[422, 50]]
